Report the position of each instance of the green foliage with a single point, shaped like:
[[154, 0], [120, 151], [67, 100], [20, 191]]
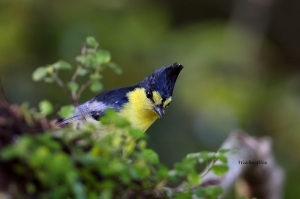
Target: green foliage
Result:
[[209, 192], [91, 63], [109, 159], [67, 111], [46, 107]]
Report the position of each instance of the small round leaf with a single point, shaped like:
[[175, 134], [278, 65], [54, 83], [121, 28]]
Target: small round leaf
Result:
[[67, 111], [82, 72], [219, 169], [96, 86], [91, 41], [73, 86], [95, 76], [102, 57], [62, 65], [39, 74], [46, 107], [115, 67], [83, 59]]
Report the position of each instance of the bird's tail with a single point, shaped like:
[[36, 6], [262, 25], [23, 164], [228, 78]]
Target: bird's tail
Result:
[[81, 113]]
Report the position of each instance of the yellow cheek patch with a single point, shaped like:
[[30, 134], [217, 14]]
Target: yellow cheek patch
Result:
[[167, 102], [157, 98]]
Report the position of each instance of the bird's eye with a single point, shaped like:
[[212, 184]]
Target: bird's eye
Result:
[[149, 94]]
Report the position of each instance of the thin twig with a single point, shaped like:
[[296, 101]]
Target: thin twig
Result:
[[88, 83], [75, 75], [83, 87], [207, 168], [63, 85], [83, 49], [75, 97]]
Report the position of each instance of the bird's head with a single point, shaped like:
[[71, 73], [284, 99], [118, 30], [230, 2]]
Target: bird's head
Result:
[[158, 87]]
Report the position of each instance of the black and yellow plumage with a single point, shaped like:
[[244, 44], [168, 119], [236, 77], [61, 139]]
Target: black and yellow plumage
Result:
[[141, 104]]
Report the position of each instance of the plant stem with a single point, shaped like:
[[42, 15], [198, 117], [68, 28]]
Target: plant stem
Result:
[[83, 87], [63, 85]]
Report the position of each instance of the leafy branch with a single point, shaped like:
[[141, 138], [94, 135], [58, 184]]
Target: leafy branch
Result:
[[91, 62]]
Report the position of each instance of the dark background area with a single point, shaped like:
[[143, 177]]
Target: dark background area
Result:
[[241, 63]]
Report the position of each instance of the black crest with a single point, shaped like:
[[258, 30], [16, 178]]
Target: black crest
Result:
[[163, 80]]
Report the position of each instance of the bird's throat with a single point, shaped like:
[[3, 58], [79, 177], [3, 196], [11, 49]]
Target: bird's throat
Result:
[[139, 110]]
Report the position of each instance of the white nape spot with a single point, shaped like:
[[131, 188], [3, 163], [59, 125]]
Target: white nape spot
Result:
[[116, 102]]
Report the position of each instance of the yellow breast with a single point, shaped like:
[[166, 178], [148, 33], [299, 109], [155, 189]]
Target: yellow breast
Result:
[[139, 109]]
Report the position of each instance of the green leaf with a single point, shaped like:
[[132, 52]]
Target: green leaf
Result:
[[106, 193], [91, 41], [62, 65], [117, 141], [102, 57], [200, 191], [84, 60], [163, 171], [183, 195], [226, 151], [50, 69], [219, 169], [109, 117], [151, 156], [193, 178], [136, 133], [189, 162], [96, 86], [121, 122], [40, 155], [39, 74], [142, 144], [67, 111], [79, 190], [213, 191], [65, 65], [90, 51], [45, 107], [180, 168], [222, 158], [82, 72], [208, 192], [95, 76], [115, 67], [49, 79], [73, 86], [129, 147], [205, 156]]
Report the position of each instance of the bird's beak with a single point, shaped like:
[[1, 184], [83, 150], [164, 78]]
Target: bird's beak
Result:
[[159, 110]]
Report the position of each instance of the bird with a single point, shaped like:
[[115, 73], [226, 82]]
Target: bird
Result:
[[141, 104]]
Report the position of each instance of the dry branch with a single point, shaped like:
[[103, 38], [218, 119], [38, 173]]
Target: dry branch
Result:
[[252, 168]]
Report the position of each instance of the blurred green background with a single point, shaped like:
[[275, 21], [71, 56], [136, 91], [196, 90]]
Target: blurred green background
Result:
[[241, 63]]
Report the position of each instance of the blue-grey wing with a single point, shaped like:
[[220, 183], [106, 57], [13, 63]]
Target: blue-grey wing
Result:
[[93, 109], [97, 106]]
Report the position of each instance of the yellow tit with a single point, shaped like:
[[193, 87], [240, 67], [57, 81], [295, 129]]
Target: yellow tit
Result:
[[141, 104]]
